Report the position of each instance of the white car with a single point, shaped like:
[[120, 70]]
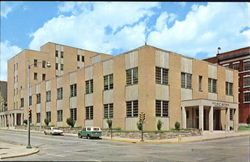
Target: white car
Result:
[[53, 131]]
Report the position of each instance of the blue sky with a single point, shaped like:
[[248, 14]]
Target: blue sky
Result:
[[188, 28]]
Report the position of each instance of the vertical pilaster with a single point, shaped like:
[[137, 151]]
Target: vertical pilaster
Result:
[[227, 119], [211, 119], [201, 112], [15, 119], [184, 117]]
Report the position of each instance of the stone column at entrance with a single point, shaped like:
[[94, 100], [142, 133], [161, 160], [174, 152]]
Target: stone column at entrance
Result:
[[15, 119], [236, 119], [227, 119], [184, 118], [201, 122], [211, 119]]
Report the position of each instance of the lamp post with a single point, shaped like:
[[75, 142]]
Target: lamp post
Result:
[[28, 102]]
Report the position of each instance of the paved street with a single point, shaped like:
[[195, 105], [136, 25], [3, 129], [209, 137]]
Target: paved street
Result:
[[73, 148]]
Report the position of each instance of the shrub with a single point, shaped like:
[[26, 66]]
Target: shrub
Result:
[[159, 125], [139, 125], [71, 122], [25, 122], [109, 122], [46, 121], [248, 119], [177, 125]]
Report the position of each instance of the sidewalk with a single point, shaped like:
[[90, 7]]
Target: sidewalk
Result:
[[205, 137], [8, 150]]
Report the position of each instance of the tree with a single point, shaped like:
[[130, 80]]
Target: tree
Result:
[[109, 122], [177, 125], [139, 125], [25, 122], [71, 122], [159, 125], [46, 121]]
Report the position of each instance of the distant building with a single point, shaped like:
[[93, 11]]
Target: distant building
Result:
[[239, 60], [3, 97], [92, 87]]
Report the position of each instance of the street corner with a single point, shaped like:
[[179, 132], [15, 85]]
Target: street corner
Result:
[[13, 151]]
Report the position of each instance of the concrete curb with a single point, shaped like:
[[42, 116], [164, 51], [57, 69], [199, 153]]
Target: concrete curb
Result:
[[181, 141], [20, 155]]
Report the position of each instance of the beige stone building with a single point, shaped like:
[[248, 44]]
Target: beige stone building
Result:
[[91, 87]]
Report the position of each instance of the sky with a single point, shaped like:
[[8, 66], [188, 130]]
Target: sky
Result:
[[188, 28]]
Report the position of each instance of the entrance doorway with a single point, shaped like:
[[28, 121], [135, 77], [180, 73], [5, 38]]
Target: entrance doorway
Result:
[[217, 120]]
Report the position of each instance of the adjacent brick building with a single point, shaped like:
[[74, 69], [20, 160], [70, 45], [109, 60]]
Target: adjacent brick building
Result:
[[239, 60]]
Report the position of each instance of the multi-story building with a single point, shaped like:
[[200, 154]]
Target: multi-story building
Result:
[[3, 100], [164, 85], [239, 60]]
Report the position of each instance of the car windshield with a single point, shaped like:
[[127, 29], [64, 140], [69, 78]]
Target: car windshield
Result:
[[96, 129]]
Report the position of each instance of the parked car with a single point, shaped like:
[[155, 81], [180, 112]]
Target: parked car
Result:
[[90, 132], [53, 131]]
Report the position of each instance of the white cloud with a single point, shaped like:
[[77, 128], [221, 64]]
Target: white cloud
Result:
[[6, 52], [5, 9], [86, 27], [204, 29]]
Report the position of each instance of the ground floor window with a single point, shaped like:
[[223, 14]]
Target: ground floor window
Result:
[[231, 114], [132, 108], [38, 117], [89, 113], [108, 111], [59, 115], [73, 113], [48, 116], [161, 108]]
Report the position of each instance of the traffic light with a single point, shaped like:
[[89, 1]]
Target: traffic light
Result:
[[142, 116], [30, 113]]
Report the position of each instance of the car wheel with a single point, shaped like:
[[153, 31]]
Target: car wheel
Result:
[[45, 133], [79, 136]]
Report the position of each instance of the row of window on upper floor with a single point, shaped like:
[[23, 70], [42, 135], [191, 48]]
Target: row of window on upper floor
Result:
[[236, 65], [78, 57]]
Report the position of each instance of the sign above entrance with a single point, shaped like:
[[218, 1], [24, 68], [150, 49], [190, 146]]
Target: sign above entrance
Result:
[[220, 104]]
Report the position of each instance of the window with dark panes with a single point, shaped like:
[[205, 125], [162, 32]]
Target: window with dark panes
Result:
[[108, 111], [59, 115], [73, 90], [236, 66], [108, 82], [89, 86], [22, 102], [61, 54], [246, 65], [247, 97], [246, 81], [161, 108], [48, 96], [38, 98], [161, 75], [56, 53], [212, 85], [186, 80], [132, 108], [60, 93], [38, 117], [89, 113], [35, 62], [229, 88], [132, 76], [48, 115], [73, 113]]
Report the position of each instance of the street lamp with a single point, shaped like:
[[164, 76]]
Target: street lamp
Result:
[[218, 50], [28, 94]]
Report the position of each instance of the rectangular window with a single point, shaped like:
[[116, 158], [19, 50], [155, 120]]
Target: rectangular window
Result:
[[108, 111], [44, 77], [89, 86], [246, 81], [229, 88], [89, 113], [30, 100], [35, 76], [186, 80], [38, 117], [161, 108], [60, 93], [78, 57], [38, 98], [200, 83], [247, 97], [73, 113], [161, 75], [132, 76], [73, 90], [56, 66], [61, 54], [44, 64], [212, 85], [236, 66], [61, 66], [35, 63], [108, 82], [56, 53], [48, 115], [246, 65], [59, 115], [22, 102], [48, 96], [82, 58], [231, 114], [132, 108]]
